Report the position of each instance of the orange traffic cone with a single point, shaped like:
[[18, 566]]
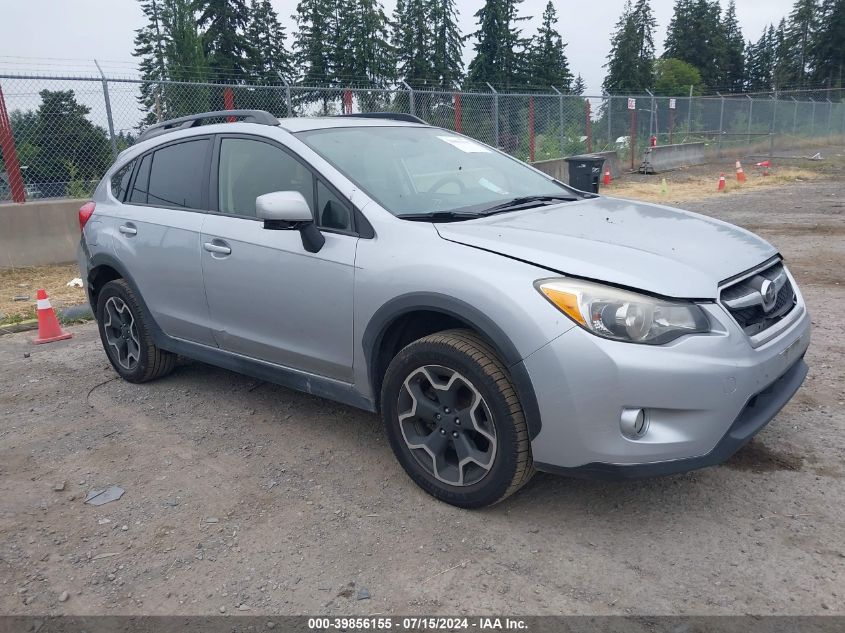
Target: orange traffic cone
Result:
[[606, 176], [766, 165], [721, 183], [740, 175], [48, 324]]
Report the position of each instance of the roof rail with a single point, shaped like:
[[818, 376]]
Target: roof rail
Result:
[[394, 116], [182, 123]]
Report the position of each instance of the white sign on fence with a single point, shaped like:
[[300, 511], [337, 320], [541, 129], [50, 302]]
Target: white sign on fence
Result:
[[672, 103], [632, 104]]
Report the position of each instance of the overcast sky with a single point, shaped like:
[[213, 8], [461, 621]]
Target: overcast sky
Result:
[[60, 36]]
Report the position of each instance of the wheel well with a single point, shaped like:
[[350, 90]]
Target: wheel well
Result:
[[406, 329], [97, 278]]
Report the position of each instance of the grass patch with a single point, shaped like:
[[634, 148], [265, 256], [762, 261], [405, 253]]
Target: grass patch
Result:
[[26, 282], [683, 187]]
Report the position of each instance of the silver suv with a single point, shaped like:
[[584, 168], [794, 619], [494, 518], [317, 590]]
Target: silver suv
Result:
[[499, 320]]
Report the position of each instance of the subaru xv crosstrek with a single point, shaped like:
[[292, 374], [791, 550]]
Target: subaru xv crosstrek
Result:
[[498, 320]]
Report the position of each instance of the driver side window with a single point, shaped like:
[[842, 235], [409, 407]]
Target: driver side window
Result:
[[250, 168]]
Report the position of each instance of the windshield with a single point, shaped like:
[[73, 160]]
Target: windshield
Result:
[[418, 170]]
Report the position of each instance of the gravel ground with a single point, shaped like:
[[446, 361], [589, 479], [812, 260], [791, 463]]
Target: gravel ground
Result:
[[244, 497]]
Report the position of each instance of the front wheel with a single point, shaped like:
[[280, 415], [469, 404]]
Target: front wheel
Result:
[[454, 420]]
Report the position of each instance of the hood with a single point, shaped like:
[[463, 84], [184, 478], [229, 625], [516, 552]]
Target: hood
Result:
[[643, 246]]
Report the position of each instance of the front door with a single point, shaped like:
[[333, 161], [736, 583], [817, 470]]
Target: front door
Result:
[[269, 298]]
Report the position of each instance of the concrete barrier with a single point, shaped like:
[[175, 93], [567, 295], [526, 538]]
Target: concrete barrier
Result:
[[39, 232], [664, 157], [558, 168]]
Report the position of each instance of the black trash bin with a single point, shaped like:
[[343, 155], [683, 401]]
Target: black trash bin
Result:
[[585, 172]]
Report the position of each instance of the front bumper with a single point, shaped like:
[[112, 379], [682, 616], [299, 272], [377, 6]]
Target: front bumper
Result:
[[705, 396]]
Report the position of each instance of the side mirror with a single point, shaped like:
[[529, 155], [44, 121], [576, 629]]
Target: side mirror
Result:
[[287, 210]]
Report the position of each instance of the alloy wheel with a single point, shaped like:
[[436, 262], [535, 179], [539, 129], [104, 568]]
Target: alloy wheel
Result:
[[121, 332], [447, 425]]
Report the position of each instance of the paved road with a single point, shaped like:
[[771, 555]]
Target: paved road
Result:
[[244, 493]]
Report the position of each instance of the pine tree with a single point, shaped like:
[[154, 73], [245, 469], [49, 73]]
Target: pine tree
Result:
[[733, 62], [785, 71], [828, 46], [447, 47], [312, 51], [803, 22], [412, 39], [184, 58], [150, 43], [760, 61], [500, 50], [363, 54], [630, 64], [578, 86], [696, 35], [266, 36], [224, 44], [547, 63]]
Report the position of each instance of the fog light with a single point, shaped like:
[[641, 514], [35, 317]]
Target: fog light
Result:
[[634, 423]]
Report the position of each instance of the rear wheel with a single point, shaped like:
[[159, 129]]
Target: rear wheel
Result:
[[454, 420], [126, 337]]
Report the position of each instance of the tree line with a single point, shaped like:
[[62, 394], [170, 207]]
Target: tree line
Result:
[[705, 48]]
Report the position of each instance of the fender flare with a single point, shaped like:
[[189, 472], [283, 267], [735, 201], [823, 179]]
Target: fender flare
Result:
[[386, 315]]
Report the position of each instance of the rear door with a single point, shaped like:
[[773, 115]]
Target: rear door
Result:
[[157, 235], [269, 298]]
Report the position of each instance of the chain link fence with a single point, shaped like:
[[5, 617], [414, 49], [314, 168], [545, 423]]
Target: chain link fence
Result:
[[58, 135]]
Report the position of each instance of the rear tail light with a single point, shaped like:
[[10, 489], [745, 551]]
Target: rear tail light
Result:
[[85, 213]]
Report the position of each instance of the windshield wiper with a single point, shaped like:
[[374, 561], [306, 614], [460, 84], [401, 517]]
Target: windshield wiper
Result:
[[522, 201], [440, 216]]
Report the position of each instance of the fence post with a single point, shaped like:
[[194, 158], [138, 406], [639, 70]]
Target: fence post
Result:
[[750, 114], [10, 154], [721, 122], [829, 116], [813, 120], [457, 98], [108, 111], [794, 116], [610, 143], [411, 105], [689, 113], [651, 116], [495, 114], [632, 139], [588, 125], [287, 95], [560, 132], [773, 125], [229, 103], [531, 128]]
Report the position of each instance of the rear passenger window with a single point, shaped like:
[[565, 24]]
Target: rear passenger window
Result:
[[120, 181], [138, 194], [177, 174]]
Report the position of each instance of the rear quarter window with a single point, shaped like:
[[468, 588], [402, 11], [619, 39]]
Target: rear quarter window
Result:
[[120, 181]]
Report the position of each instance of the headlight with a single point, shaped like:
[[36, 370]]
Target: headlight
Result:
[[622, 315]]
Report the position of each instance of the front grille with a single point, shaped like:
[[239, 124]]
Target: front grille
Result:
[[755, 319]]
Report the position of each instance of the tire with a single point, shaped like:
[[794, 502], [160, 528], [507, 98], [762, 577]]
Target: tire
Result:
[[473, 453], [126, 335]]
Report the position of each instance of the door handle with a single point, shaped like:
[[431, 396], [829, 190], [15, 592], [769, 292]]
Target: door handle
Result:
[[220, 249], [128, 229]]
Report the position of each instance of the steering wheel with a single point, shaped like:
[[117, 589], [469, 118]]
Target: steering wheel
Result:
[[445, 180]]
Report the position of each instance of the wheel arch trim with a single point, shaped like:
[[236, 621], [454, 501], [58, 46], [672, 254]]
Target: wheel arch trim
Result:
[[381, 321]]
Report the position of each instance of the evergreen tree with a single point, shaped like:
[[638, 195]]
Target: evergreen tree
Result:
[[802, 26], [312, 51], [362, 53], [412, 39], [547, 63], [630, 64], [447, 47], [696, 35], [150, 43], [733, 61], [760, 61], [224, 44], [184, 59], [578, 86], [266, 36], [785, 71], [500, 50], [828, 47]]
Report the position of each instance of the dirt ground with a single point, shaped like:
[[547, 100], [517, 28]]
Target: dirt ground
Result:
[[244, 497], [19, 285]]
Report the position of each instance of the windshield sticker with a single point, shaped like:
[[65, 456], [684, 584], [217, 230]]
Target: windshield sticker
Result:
[[464, 144]]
